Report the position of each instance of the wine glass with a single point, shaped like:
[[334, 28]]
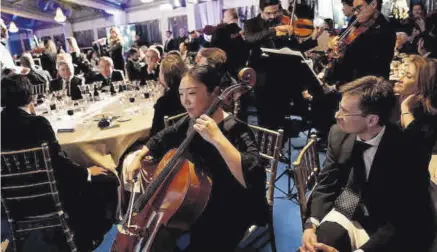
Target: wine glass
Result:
[[130, 96], [116, 85]]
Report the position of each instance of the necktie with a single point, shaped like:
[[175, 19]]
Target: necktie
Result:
[[348, 200], [67, 86]]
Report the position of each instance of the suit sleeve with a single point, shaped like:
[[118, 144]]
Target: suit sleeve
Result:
[[62, 165], [254, 36], [326, 191]]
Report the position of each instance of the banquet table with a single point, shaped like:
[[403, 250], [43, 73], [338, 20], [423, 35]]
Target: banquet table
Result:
[[89, 145]]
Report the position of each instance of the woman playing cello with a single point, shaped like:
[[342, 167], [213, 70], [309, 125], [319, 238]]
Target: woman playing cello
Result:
[[226, 149]]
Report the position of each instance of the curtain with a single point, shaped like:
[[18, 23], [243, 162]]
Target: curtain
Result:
[[208, 13], [101, 33], [246, 13], [59, 40], [177, 22], [84, 38], [149, 31], [430, 5]]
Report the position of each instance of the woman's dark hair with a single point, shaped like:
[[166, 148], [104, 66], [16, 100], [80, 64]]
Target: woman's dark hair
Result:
[[173, 68], [16, 91], [348, 2], [207, 75]]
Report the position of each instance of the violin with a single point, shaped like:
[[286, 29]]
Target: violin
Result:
[[175, 192], [302, 27], [338, 45]]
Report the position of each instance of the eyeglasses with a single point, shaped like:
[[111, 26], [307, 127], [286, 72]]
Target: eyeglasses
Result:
[[341, 113]]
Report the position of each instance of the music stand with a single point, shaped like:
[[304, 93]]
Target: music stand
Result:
[[308, 76]]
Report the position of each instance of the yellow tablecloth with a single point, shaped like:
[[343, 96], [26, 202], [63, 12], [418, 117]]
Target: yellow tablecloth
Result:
[[89, 145]]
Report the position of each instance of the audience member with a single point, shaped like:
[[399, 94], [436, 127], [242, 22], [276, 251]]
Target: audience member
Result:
[[427, 45], [85, 199], [418, 101], [108, 74], [67, 82], [151, 70], [36, 75], [357, 205], [133, 66], [171, 72]]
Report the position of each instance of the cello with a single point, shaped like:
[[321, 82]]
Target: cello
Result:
[[175, 192]]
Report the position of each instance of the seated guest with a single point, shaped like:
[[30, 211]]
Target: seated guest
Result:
[[133, 66], [107, 73], [77, 58], [359, 201], [21, 129], [67, 81], [151, 70], [427, 45], [403, 44], [160, 49], [175, 52], [143, 51], [418, 101], [36, 75], [216, 58], [171, 72]]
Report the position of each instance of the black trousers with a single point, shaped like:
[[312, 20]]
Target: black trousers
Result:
[[334, 235]]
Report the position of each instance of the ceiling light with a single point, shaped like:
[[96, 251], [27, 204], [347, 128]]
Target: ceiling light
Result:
[[60, 17], [147, 1], [12, 27], [165, 7]]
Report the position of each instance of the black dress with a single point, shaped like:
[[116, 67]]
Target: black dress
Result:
[[116, 51], [231, 207], [167, 105]]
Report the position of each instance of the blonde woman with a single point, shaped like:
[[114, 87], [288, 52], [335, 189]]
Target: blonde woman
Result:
[[116, 48], [48, 58]]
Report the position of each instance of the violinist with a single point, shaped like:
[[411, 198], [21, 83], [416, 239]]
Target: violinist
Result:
[[370, 46], [273, 90], [226, 149]]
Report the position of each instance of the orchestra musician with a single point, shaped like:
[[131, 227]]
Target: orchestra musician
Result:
[[371, 52], [226, 148], [273, 89]]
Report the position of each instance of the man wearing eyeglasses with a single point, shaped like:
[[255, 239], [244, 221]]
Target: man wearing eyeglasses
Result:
[[371, 52], [372, 194]]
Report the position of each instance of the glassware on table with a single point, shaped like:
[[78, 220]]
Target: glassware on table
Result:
[[130, 99], [116, 85], [69, 106]]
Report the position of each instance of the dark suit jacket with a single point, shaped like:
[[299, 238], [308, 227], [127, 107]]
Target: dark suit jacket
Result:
[[369, 54], [133, 70], [396, 193], [152, 76], [75, 94], [116, 76], [170, 45], [21, 130]]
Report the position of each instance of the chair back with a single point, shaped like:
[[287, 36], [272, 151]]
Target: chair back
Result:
[[38, 89], [170, 120], [29, 194], [307, 167], [269, 145]]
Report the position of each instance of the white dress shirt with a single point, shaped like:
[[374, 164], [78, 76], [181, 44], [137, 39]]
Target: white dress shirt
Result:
[[369, 154]]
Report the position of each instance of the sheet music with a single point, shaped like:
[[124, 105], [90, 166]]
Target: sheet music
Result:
[[288, 51]]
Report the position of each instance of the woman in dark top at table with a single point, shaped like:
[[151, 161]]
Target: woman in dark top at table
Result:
[[417, 90], [48, 58], [226, 148], [116, 48], [171, 72]]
